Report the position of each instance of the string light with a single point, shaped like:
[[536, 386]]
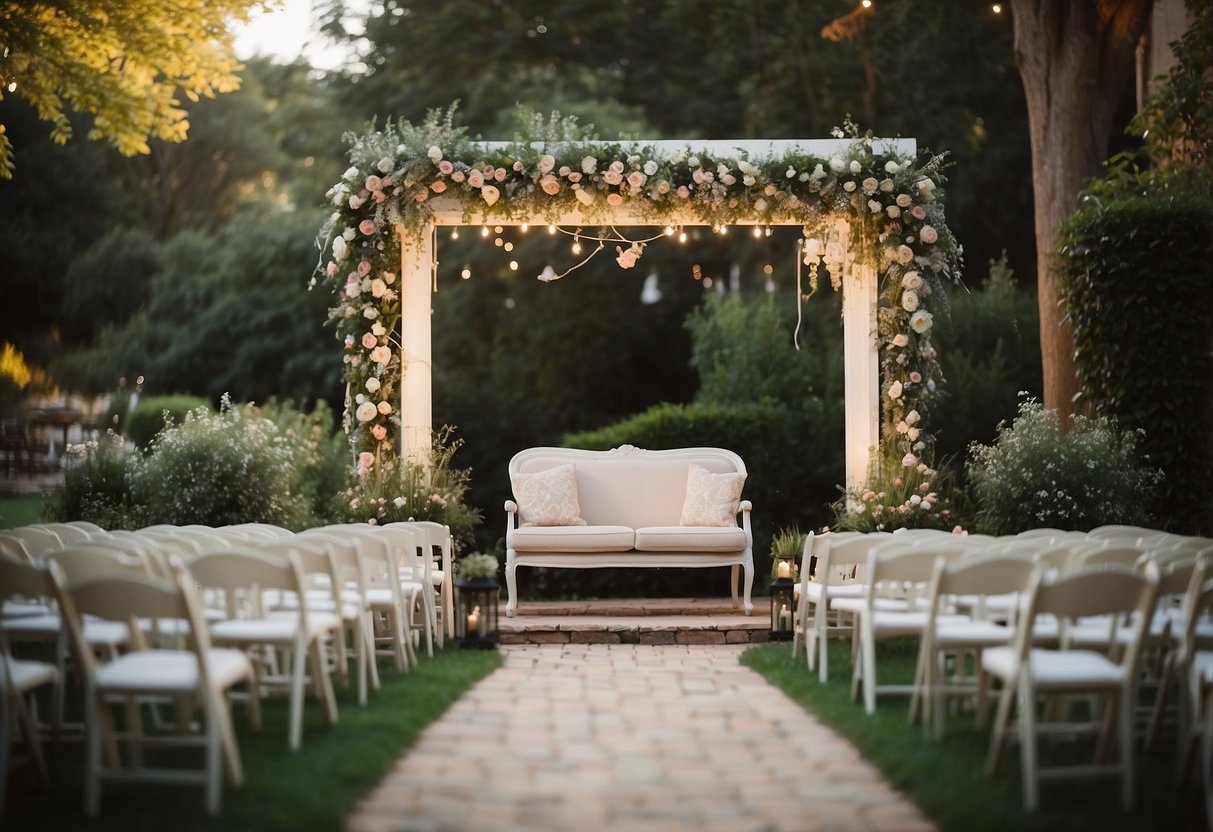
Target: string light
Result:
[[513, 265], [498, 230], [996, 8], [576, 245], [757, 231], [525, 227], [867, 4], [499, 242], [551, 229], [466, 273], [484, 231], [509, 246], [454, 233], [669, 231], [682, 236]]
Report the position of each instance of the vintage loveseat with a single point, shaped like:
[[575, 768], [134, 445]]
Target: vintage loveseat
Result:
[[628, 507]]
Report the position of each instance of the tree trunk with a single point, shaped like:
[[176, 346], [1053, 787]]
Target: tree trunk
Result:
[[1075, 58]]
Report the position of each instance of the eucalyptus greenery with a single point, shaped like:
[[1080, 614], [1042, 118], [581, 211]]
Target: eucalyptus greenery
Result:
[[477, 567]]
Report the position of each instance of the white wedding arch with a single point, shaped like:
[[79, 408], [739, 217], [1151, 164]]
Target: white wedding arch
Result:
[[870, 211]]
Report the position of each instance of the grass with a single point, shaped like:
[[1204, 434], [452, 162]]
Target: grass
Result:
[[312, 789], [20, 510], [946, 778]]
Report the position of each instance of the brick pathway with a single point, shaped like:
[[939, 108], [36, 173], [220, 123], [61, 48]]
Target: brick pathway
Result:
[[631, 737]]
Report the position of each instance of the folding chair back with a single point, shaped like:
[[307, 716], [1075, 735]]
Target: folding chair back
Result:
[[88, 561]]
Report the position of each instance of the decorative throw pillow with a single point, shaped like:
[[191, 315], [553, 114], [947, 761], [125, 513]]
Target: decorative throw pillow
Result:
[[712, 499], [548, 498]]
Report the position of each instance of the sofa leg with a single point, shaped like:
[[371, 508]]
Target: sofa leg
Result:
[[749, 584], [511, 584]]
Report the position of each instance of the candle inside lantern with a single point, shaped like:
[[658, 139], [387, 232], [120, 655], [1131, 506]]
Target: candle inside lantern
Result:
[[474, 621], [785, 618], [783, 569]]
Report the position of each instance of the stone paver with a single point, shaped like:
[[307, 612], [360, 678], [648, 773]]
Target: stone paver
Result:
[[677, 738]]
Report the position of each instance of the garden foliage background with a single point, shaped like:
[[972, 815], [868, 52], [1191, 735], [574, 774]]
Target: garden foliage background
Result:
[[188, 266]]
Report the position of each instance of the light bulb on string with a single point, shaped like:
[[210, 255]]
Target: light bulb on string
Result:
[[513, 265], [509, 246], [498, 230], [454, 233], [669, 231], [525, 227], [484, 231], [757, 231], [682, 236], [551, 229], [466, 273]]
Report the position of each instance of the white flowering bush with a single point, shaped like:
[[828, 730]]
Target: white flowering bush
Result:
[[214, 469], [892, 203], [96, 487], [902, 493], [1037, 475]]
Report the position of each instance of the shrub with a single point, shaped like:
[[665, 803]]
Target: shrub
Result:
[[385, 489], [220, 468], [901, 493], [1037, 475], [96, 487], [321, 456], [1135, 281], [148, 417]]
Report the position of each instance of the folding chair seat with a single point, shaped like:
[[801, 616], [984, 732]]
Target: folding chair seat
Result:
[[244, 574], [199, 674], [1028, 672]]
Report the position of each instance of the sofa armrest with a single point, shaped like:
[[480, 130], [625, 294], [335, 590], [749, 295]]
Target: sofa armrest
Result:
[[745, 506], [511, 519]]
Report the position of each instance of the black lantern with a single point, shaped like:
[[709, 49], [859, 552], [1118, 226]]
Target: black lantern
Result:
[[783, 609], [476, 612]]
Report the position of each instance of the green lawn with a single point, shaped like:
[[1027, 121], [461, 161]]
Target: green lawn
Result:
[[946, 778], [312, 789], [20, 510]]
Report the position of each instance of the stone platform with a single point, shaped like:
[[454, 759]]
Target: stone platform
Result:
[[636, 621]]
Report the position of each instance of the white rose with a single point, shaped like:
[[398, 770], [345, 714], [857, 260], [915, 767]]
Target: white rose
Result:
[[912, 433], [909, 461], [435, 154], [893, 211], [384, 165], [339, 248], [589, 164], [848, 186], [650, 167], [921, 321], [874, 206], [856, 167], [350, 173], [887, 185], [836, 164], [546, 163], [912, 417], [378, 287], [490, 194], [381, 355], [891, 167], [366, 412], [385, 408], [911, 280], [895, 390], [904, 201], [909, 300], [585, 197], [372, 385]]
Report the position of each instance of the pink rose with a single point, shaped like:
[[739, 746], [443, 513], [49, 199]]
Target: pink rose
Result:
[[331, 269], [614, 199], [626, 259], [378, 197], [518, 166], [574, 176], [445, 167], [499, 174], [373, 183], [904, 254], [683, 192], [565, 170], [663, 187], [918, 212], [550, 185], [367, 227], [611, 177], [438, 186], [928, 234], [364, 267], [616, 166], [900, 340], [636, 179], [915, 376], [476, 179], [369, 341], [870, 185], [457, 176]]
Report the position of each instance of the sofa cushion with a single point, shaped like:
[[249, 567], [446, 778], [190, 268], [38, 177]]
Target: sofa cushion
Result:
[[711, 499], [548, 498], [573, 539], [690, 539]]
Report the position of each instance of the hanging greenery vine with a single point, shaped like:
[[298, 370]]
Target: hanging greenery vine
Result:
[[892, 203]]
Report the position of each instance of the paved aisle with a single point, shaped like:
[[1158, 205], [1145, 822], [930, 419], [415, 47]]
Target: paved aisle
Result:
[[631, 737]]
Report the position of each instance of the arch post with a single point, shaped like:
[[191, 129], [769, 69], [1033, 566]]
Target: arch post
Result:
[[416, 366], [861, 373]]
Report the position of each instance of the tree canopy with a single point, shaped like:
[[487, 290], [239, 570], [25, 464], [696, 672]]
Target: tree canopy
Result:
[[123, 61]]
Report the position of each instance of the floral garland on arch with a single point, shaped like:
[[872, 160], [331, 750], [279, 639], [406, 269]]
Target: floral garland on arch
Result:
[[893, 205]]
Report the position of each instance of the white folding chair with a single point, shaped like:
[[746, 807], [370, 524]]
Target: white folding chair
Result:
[[839, 572], [200, 673], [951, 641], [1028, 672], [894, 569], [441, 547], [245, 574], [20, 677]]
